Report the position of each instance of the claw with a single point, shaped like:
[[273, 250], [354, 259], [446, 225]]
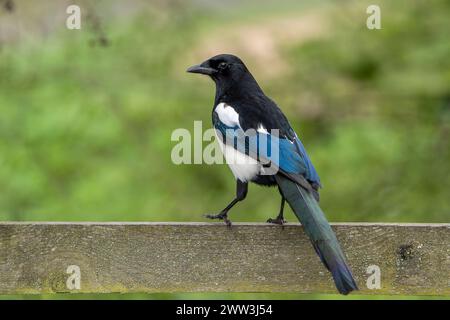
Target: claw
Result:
[[277, 220], [220, 216]]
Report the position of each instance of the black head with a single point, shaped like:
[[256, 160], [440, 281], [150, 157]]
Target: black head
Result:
[[226, 70]]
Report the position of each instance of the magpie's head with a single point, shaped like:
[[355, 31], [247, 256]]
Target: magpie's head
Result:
[[224, 69]]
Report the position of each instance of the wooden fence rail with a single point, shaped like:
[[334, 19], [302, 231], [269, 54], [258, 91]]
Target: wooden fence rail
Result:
[[413, 259]]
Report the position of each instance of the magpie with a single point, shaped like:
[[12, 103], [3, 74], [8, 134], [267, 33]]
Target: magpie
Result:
[[240, 106]]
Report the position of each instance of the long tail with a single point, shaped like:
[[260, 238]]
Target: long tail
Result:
[[319, 231]]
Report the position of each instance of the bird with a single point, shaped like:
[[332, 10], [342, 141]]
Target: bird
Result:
[[242, 115]]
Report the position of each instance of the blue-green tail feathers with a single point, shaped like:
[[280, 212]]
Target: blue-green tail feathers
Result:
[[319, 231]]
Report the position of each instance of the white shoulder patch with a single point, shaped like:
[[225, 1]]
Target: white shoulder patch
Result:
[[227, 114], [261, 129]]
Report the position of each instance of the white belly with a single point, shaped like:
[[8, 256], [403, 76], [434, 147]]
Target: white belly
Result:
[[243, 167]]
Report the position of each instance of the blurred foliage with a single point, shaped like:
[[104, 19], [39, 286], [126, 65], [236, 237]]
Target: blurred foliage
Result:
[[86, 116]]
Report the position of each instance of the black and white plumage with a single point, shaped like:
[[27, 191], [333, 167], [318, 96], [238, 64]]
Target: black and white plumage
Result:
[[240, 106], [244, 167]]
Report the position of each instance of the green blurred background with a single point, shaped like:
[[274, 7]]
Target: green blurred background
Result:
[[87, 115]]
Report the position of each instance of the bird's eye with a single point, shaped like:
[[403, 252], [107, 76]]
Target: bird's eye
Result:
[[222, 65]]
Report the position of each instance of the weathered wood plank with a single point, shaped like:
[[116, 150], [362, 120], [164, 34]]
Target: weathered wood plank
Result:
[[414, 259]]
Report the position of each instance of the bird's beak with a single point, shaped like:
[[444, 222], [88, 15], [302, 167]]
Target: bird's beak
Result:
[[200, 68]]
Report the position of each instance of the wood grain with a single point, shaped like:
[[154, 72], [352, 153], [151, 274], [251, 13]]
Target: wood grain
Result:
[[414, 259]]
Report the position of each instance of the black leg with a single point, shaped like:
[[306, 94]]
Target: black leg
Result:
[[280, 218], [241, 193]]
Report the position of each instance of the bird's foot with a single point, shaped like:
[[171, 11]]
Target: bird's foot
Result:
[[277, 220], [221, 216]]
